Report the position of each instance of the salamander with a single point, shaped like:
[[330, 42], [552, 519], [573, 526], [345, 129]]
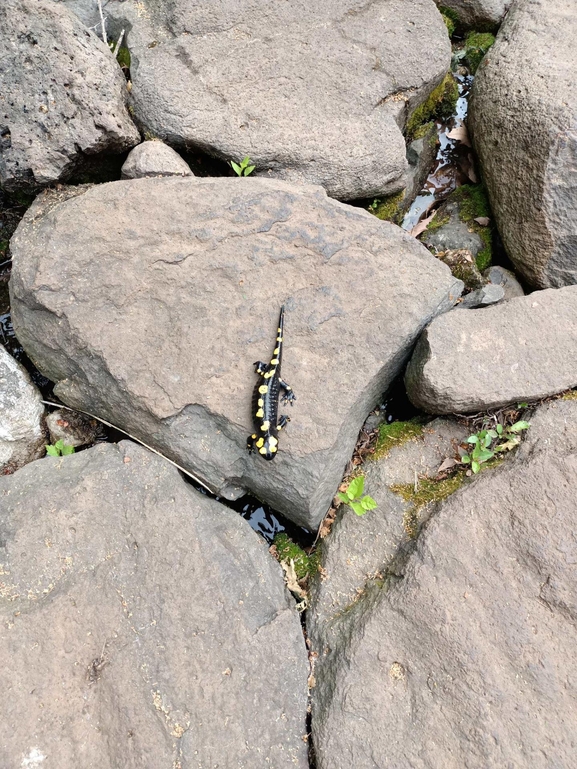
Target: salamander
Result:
[[266, 398]]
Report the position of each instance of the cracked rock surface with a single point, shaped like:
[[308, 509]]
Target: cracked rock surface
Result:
[[314, 92], [61, 95], [478, 14], [142, 624], [148, 301], [469, 657]]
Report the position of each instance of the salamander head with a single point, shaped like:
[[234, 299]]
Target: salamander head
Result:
[[269, 448]]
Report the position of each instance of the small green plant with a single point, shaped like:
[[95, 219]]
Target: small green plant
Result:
[[353, 496], [59, 449], [486, 443], [244, 169]]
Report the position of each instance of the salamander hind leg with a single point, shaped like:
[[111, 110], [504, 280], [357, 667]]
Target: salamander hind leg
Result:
[[250, 444], [283, 421], [288, 395]]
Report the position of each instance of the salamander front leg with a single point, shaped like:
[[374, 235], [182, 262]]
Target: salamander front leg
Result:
[[282, 422], [288, 395], [260, 367], [250, 444]]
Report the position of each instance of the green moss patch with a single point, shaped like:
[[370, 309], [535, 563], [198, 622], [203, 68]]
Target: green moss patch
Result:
[[388, 209], [473, 203], [449, 23], [476, 46], [441, 103], [287, 550], [123, 57], [395, 434], [428, 491]]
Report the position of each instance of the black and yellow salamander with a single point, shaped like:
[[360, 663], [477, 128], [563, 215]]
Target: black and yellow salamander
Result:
[[265, 401]]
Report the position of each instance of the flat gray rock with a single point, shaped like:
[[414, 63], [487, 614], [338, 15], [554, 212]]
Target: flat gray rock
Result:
[[526, 86], [159, 294], [61, 95], [499, 276], [142, 624], [478, 14], [521, 350], [154, 158], [482, 297], [469, 659], [22, 433], [312, 92]]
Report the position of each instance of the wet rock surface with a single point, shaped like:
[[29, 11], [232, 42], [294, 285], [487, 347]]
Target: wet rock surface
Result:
[[177, 285], [468, 657], [521, 350], [143, 624], [154, 158], [312, 92], [61, 95], [531, 182], [22, 433]]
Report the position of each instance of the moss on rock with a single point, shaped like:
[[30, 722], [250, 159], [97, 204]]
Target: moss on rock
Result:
[[287, 550], [426, 492], [395, 434], [440, 103], [473, 204], [389, 209], [476, 46]]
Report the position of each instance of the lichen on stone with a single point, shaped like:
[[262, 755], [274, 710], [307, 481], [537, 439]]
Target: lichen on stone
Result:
[[440, 103]]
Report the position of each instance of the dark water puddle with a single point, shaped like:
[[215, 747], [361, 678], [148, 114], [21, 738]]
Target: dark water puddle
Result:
[[452, 159]]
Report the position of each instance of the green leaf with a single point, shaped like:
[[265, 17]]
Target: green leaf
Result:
[[368, 503], [475, 467], [248, 171], [485, 455], [245, 161], [358, 508], [66, 450], [522, 405], [519, 426], [59, 444], [356, 487], [465, 459], [236, 168], [343, 497], [52, 451], [472, 439], [492, 434], [499, 429]]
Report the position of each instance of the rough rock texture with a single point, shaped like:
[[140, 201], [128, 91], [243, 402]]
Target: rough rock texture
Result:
[[469, 659], [499, 276], [454, 234], [462, 264], [61, 95], [421, 154], [315, 92], [482, 297], [478, 14], [22, 436], [521, 350], [154, 158], [142, 624], [176, 287], [523, 119]]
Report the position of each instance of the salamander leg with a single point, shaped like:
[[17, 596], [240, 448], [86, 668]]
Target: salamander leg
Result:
[[260, 367], [250, 444], [282, 422], [288, 395]]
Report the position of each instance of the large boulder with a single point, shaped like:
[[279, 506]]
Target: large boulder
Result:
[[315, 92], [522, 350], [61, 95], [148, 301], [477, 14], [22, 431], [523, 118], [142, 624], [467, 656]]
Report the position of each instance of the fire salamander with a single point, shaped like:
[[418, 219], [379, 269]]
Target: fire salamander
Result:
[[265, 401]]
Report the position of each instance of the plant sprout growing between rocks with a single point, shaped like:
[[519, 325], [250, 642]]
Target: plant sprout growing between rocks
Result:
[[244, 169], [353, 496], [486, 443], [59, 449]]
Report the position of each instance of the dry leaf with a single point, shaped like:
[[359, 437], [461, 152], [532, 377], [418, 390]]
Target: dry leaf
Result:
[[291, 579], [483, 220], [447, 464], [422, 225], [461, 134]]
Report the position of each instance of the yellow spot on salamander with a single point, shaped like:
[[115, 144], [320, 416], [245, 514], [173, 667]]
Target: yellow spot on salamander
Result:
[[279, 338], [279, 330], [259, 414], [268, 374], [276, 351], [263, 450], [263, 389], [272, 449], [272, 442], [260, 402], [274, 362], [253, 436], [265, 425], [260, 443]]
